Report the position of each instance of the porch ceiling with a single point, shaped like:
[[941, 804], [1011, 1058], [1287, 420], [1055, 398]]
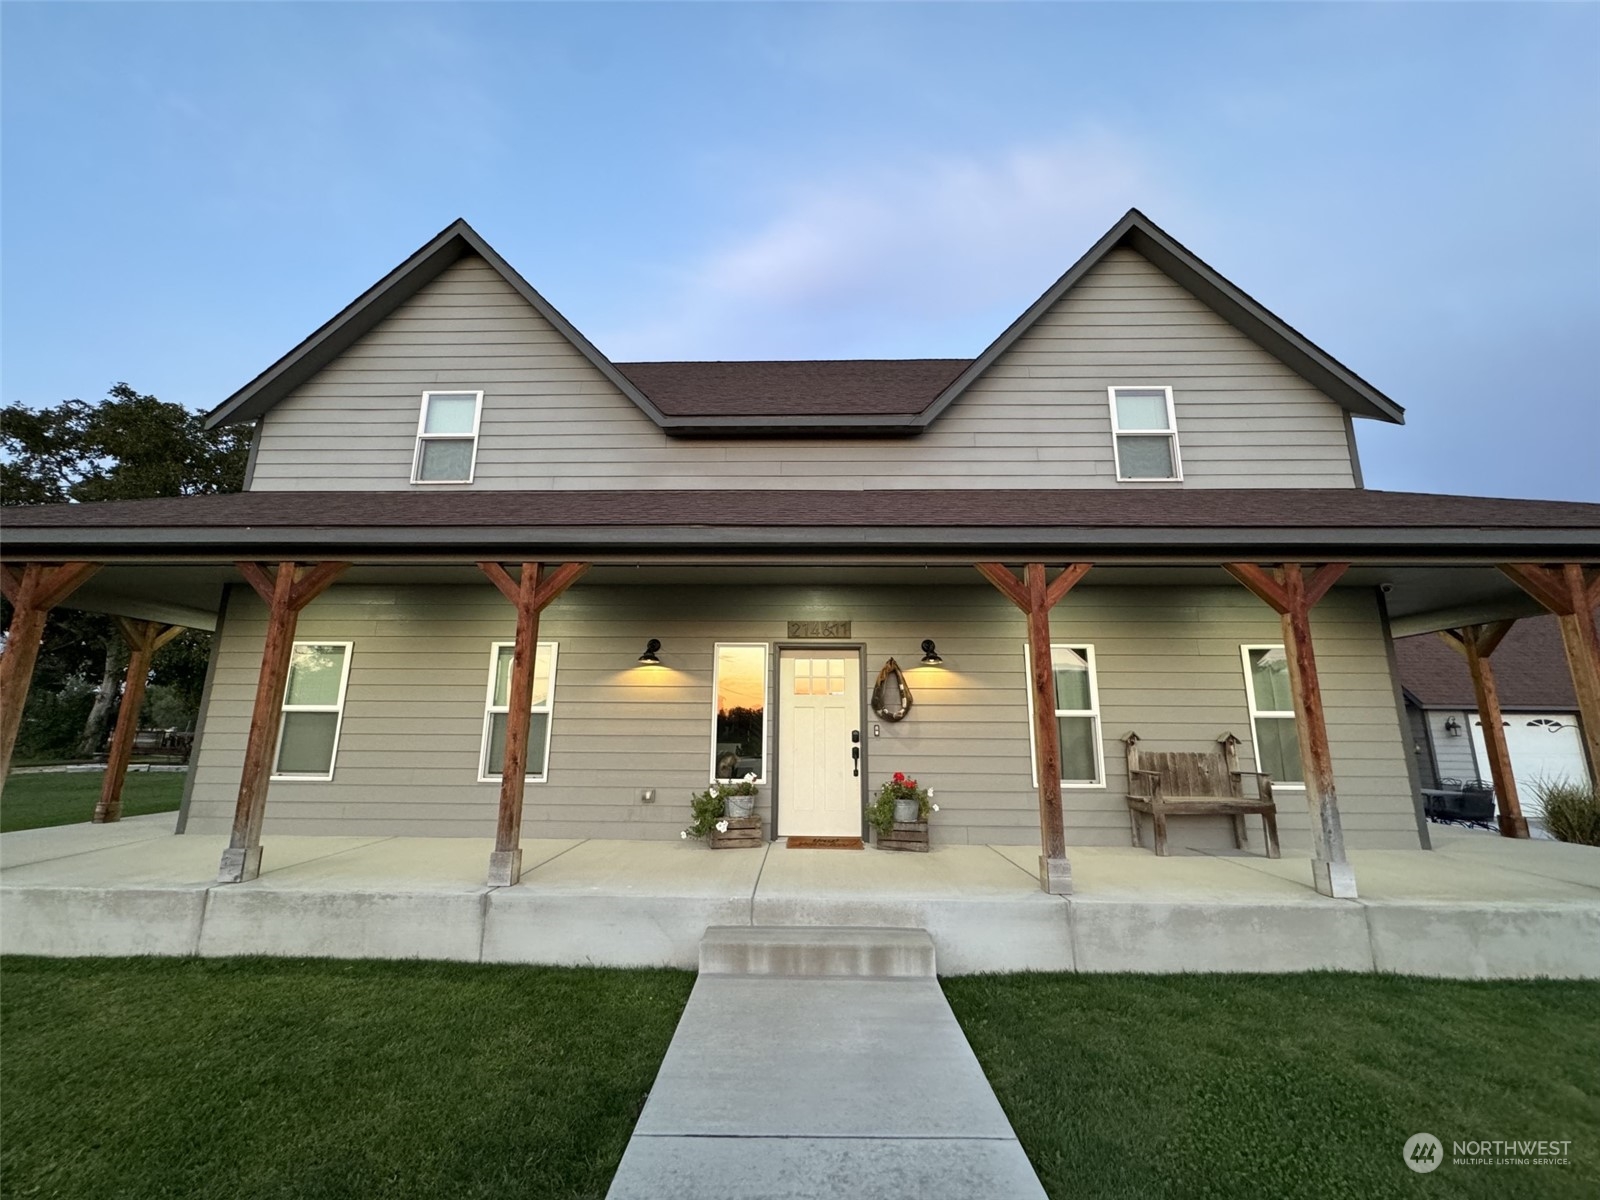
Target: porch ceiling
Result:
[[1420, 598]]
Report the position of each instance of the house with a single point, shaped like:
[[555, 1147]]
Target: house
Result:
[[1539, 715], [1140, 509]]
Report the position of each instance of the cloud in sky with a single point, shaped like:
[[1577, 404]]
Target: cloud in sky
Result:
[[892, 260]]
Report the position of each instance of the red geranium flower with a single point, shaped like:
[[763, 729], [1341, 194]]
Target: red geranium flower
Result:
[[899, 777]]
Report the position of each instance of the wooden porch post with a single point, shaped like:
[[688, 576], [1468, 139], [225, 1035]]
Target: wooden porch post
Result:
[[33, 589], [1035, 597], [144, 638], [1572, 595], [531, 594], [286, 590], [1292, 596], [1476, 643]]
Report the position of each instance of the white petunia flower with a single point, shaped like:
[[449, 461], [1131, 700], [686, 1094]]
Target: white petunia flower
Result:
[[722, 827], [935, 808], [713, 793], [684, 834], [750, 777]]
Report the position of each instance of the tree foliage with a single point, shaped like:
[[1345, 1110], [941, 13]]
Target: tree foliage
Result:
[[130, 446]]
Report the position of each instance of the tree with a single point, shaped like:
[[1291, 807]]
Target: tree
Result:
[[130, 446]]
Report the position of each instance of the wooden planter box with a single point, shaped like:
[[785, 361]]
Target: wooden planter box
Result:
[[742, 832], [905, 835]]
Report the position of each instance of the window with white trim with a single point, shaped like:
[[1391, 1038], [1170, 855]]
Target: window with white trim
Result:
[[1144, 434], [739, 694], [447, 437], [313, 710], [1077, 716], [497, 709], [1277, 741]]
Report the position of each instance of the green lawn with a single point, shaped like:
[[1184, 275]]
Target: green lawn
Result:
[[1287, 1085], [61, 798], [288, 1078], [303, 1079]]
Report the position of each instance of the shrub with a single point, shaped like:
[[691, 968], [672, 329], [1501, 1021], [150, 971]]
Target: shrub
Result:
[[1571, 810]]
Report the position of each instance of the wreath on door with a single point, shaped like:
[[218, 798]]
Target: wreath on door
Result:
[[891, 695]]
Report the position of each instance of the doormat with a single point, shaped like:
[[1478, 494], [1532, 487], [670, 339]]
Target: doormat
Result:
[[824, 843]]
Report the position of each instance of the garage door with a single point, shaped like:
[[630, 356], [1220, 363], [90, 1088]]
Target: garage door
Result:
[[1542, 745]]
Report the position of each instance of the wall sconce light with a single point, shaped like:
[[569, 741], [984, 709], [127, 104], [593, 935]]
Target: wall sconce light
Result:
[[1452, 727], [648, 658], [930, 655]]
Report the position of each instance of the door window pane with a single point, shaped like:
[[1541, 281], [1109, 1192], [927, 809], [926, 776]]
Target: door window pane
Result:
[[1141, 409], [445, 460], [450, 412], [1146, 457]]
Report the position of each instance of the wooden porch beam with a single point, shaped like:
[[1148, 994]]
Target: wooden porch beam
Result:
[[1571, 594], [144, 638], [1475, 643], [1036, 595], [286, 589], [33, 590], [531, 593], [1292, 596]]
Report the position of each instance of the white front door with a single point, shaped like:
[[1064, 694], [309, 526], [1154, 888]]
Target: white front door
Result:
[[819, 718]]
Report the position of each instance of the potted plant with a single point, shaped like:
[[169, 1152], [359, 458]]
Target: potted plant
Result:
[[724, 813], [901, 807]]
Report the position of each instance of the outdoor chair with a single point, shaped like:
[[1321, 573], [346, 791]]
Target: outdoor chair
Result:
[[1189, 783]]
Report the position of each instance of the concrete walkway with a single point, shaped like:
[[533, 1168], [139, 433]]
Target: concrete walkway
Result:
[[1478, 906], [821, 1063]]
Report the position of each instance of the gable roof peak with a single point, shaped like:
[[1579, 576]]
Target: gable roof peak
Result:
[[1274, 335], [452, 243]]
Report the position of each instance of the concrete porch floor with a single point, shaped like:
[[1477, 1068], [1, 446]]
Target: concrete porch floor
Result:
[[1477, 906]]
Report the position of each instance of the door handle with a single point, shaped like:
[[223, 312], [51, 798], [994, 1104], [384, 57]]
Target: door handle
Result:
[[855, 753]]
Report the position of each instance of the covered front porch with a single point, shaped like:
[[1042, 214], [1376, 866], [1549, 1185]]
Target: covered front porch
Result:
[[423, 587], [1476, 906]]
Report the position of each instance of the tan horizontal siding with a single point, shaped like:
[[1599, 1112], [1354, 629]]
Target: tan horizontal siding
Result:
[[1037, 418], [1168, 665]]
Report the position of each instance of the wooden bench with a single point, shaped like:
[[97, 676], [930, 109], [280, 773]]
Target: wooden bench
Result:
[[1190, 783]]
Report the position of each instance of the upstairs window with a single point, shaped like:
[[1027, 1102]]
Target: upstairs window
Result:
[[1144, 434], [447, 437]]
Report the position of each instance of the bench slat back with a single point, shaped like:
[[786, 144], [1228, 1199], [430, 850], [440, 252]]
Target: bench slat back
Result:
[[1185, 772]]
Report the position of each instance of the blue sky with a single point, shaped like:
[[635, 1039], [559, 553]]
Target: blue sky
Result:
[[190, 189]]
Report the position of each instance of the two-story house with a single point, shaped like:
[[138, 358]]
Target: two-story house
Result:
[[484, 578]]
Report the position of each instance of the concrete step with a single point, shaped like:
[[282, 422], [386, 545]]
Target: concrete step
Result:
[[817, 950]]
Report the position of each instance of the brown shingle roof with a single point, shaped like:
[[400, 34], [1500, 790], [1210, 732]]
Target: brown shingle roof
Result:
[[1530, 669], [805, 388], [1101, 508]]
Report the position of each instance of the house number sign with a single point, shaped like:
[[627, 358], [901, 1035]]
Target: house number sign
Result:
[[819, 629]]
